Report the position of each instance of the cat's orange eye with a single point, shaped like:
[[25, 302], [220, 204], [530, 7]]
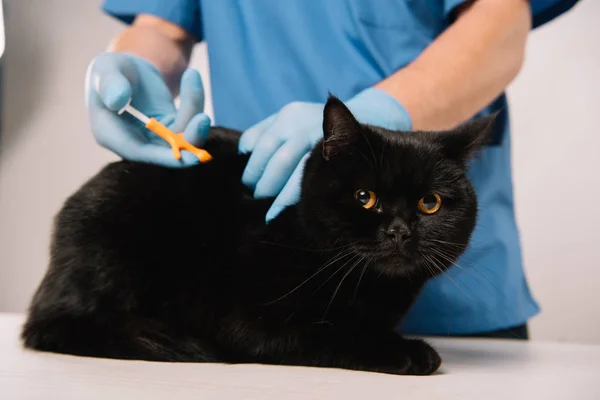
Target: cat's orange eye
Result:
[[365, 198], [430, 204]]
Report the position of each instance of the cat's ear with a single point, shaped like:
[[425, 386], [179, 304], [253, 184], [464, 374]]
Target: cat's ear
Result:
[[340, 128], [464, 141]]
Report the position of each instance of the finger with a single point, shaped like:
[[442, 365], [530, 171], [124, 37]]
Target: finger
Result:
[[265, 148], [195, 133], [160, 155], [251, 136], [111, 131], [128, 144], [281, 166], [147, 136], [106, 78], [115, 91], [197, 130], [290, 194], [191, 99], [167, 120]]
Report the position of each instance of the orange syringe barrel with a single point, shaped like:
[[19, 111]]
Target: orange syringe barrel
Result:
[[177, 141]]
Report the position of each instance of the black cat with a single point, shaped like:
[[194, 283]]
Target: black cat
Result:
[[167, 264]]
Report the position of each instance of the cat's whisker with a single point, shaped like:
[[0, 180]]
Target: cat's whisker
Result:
[[480, 267], [433, 268], [340, 285], [432, 272], [304, 249], [450, 257], [445, 295], [430, 265], [336, 258], [426, 262], [361, 276], [450, 260], [444, 273], [454, 247], [461, 248], [491, 311], [290, 317], [478, 273], [469, 287], [336, 271], [340, 255], [454, 244]]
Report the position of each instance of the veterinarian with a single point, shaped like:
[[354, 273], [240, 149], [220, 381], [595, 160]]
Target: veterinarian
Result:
[[398, 64]]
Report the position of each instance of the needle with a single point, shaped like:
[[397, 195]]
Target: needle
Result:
[[176, 140]]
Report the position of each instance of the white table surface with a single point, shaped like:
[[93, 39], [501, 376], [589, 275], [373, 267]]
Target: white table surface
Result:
[[472, 369]]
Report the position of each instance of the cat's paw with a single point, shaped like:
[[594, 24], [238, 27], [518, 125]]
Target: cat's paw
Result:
[[399, 365], [424, 360], [403, 357]]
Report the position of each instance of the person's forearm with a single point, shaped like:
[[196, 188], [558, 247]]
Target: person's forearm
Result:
[[165, 45], [466, 67]]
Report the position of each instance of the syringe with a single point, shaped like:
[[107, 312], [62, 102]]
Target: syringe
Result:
[[175, 140]]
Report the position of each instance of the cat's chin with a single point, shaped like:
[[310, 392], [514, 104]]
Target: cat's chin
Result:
[[396, 262], [391, 262]]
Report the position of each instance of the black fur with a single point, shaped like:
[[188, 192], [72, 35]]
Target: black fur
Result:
[[178, 265]]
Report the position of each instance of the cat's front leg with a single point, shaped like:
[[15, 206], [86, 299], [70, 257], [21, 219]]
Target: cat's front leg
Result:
[[375, 351], [389, 352]]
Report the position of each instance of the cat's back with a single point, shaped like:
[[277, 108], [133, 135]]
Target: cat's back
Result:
[[124, 193]]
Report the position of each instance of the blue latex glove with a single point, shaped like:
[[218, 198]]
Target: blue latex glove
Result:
[[115, 78], [281, 144]]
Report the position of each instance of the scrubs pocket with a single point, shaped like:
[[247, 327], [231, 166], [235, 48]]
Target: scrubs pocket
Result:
[[395, 32]]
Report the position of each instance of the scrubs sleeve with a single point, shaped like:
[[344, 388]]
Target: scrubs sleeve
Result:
[[546, 10], [185, 13], [542, 11]]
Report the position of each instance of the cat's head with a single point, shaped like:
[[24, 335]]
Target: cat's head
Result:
[[401, 199]]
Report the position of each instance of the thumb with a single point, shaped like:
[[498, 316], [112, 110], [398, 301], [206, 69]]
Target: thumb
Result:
[[191, 99], [107, 78]]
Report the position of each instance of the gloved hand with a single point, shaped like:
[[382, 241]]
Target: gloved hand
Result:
[[281, 144], [115, 78]]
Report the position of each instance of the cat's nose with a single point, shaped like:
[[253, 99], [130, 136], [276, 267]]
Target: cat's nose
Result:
[[398, 232]]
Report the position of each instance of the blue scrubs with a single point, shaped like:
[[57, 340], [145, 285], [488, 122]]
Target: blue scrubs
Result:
[[264, 54]]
